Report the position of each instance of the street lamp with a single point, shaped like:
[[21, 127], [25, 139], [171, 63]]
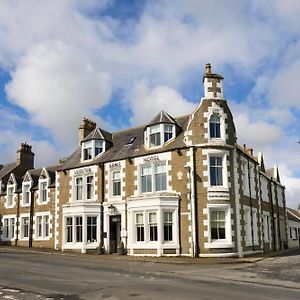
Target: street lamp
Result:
[[111, 209]]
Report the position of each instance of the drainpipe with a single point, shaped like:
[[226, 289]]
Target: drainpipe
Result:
[[191, 194], [17, 220], [272, 209], [101, 206], [278, 219], [251, 205], [31, 217]]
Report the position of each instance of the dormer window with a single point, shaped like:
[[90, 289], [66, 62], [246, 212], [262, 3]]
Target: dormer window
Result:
[[10, 196], [99, 147], [159, 134], [155, 136], [26, 194], [215, 126], [91, 149], [168, 132]]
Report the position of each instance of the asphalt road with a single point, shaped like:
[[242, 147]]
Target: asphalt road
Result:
[[28, 275]]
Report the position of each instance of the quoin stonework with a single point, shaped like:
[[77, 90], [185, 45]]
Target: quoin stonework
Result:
[[175, 186]]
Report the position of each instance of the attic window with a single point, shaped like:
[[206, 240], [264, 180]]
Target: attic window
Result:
[[130, 140], [157, 135], [91, 149]]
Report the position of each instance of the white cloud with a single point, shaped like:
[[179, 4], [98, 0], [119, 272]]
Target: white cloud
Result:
[[58, 86], [147, 102]]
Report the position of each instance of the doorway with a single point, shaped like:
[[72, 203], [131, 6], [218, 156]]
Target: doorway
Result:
[[114, 233]]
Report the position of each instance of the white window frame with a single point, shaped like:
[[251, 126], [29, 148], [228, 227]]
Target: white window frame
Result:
[[22, 217], [41, 182], [222, 243], [45, 232], [92, 144], [84, 188], [223, 154], [8, 187], [266, 227], [112, 181], [152, 174], [161, 129], [29, 185], [217, 111], [84, 225], [11, 233]]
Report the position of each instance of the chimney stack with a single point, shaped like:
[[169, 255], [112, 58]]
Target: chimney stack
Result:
[[25, 157], [212, 84], [85, 128]]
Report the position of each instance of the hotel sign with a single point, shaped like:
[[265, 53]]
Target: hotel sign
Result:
[[150, 159], [83, 171]]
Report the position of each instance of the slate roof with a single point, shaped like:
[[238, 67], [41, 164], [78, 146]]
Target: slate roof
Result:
[[36, 173], [162, 117], [120, 148], [98, 134], [7, 169], [293, 215]]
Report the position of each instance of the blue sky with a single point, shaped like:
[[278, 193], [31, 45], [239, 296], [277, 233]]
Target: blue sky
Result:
[[120, 62]]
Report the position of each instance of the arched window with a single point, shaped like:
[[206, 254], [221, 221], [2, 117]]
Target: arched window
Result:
[[214, 126]]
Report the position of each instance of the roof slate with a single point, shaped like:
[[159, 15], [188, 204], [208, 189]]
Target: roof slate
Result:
[[6, 169], [98, 134], [293, 214], [163, 117], [121, 150]]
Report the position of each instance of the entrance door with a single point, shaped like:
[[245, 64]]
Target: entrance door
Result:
[[114, 232]]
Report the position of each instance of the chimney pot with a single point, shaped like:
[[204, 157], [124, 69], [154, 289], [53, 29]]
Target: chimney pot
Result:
[[208, 69]]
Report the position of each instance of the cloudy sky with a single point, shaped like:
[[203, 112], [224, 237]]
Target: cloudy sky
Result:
[[120, 62]]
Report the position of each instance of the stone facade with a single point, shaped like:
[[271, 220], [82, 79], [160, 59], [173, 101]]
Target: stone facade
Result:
[[176, 186]]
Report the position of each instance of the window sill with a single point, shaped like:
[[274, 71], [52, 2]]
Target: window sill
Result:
[[42, 239], [43, 203], [218, 188], [219, 245], [25, 205]]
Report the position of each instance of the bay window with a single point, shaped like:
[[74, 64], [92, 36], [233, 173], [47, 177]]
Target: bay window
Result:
[[99, 147], [91, 229], [78, 229], [139, 222], [152, 226], [168, 226], [87, 150]]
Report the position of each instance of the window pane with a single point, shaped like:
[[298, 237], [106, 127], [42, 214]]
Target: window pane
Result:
[[116, 177], [160, 177], [168, 132], [78, 229], [98, 147], [79, 187], [168, 226], [214, 126], [69, 223], [91, 229], [216, 171], [155, 139], [146, 179], [90, 187], [217, 224]]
